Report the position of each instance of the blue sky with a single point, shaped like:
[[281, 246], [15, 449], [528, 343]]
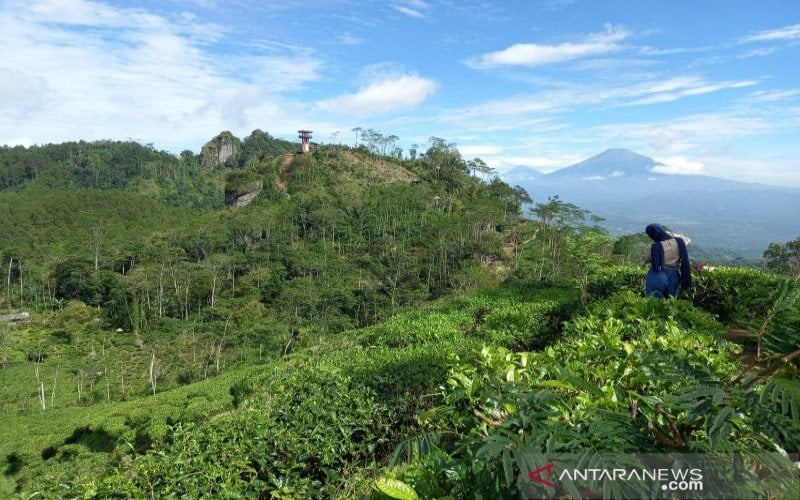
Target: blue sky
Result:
[[706, 87]]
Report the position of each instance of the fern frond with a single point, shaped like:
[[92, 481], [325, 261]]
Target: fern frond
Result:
[[780, 330], [783, 395], [416, 448]]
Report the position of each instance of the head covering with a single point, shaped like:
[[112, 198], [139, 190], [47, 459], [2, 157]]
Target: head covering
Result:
[[657, 233]]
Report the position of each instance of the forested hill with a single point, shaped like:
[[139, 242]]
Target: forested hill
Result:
[[332, 239], [188, 179]]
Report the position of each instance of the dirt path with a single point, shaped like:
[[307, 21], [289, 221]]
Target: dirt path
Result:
[[280, 183]]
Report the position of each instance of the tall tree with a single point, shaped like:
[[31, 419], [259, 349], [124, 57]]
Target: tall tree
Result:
[[357, 131], [784, 258]]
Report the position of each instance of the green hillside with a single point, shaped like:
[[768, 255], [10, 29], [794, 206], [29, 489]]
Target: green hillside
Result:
[[362, 326]]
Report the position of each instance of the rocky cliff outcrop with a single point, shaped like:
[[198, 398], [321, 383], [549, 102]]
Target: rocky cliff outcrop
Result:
[[224, 149], [23, 316], [244, 195]]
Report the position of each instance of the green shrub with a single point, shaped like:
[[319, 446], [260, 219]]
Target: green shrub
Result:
[[616, 279], [299, 430], [522, 316], [632, 375], [526, 326], [415, 329], [736, 295]]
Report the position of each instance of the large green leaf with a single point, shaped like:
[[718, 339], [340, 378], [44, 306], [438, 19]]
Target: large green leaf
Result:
[[396, 489]]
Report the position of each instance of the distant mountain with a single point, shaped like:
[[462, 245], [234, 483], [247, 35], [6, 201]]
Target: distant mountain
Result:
[[610, 164], [521, 174], [622, 187]]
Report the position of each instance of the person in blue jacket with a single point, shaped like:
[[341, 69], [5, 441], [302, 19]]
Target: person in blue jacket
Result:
[[670, 270]]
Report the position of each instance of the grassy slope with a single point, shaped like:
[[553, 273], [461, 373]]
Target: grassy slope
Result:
[[396, 362], [32, 438]]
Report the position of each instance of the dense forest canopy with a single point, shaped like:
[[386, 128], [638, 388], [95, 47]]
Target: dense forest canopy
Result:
[[338, 237]]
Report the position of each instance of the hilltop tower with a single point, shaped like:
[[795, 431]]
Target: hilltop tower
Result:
[[305, 140]]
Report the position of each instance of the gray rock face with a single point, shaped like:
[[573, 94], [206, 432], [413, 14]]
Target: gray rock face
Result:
[[220, 149], [23, 316], [226, 150], [243, 196]]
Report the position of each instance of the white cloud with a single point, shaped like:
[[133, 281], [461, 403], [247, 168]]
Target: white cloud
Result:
[[786, 33], [773, 95], [20, 141], [22, 95], [509, 113], [544, 164], [690, 90], [411, 8], [479, 150], [100, 71], [775, 168], [677, 136], [555, 5], [349, 39], [408, 11], [678, 165], [390, 93], [532, 54], [613, 175], [656, 51], [760, 52]]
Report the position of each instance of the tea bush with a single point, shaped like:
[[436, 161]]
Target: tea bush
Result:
[[319, 420], [616, 279], [632, 375], [527, 326], [300, 430], [736, 295], [525, 316], [415, 329]]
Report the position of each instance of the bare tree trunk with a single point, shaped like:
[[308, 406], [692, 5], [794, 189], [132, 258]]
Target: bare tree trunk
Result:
[[218, 354], [172, 272], [53, 392], [214, 288], [96, 234], [19, 265], [161, 291], [108, 385], [10, 262], [288, 344], [152, 372], [208, 360], [186, 301]]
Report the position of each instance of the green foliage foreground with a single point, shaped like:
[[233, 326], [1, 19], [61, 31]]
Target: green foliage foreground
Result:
[[314, 423], [631, 376], [433, 403]]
